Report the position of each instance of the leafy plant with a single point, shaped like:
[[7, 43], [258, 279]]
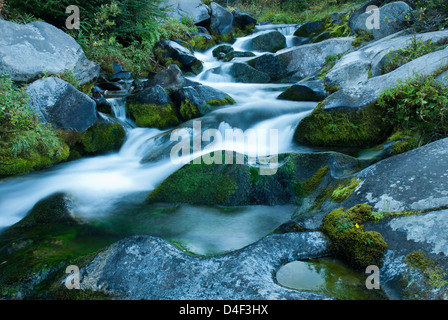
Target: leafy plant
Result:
[[414, 49], [420, 105]]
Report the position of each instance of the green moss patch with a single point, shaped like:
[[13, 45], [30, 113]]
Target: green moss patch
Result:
[[153, 116], [349, 240], [431, 274], [343, 191], [343, 127]]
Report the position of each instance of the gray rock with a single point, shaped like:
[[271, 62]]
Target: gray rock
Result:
[[272, 41], [300, 41], [194, 9], [167, 49], [170, 78], [352, 70], [153, 95], [243, 21], [221, 21], [145, 267], [392, 17], [307, 60], [61, 105], [224, 48], [371, 90], [353, 19], [268, 64], [415, 180], [308, 29], [27, 52], [242, 72], [306, 91], [406, 235], [202, 97]]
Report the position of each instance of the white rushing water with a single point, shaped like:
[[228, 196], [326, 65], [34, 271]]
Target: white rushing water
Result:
[[99, 182]]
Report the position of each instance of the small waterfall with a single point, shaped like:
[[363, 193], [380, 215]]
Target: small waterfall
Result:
[[118, 106]]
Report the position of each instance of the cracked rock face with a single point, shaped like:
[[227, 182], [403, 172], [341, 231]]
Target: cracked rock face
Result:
[[146, 267]]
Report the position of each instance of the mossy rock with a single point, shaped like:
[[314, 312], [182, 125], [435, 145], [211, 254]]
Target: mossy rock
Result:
[[42, 245], [103, 138], [349, 240], [343, 127], [33, 161], [153, 116], [201, 43], [298, 176]]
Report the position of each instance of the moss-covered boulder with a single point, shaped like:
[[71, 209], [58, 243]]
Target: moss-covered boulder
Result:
[[101, 138], [349, 240], [196, 101], [343, 127], [297, 177], [243, 23], [153, 115], [33, 160], [201, 41], [35, 252]]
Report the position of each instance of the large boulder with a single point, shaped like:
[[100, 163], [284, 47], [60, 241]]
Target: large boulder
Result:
[[171, 78], [308, 60], [355, 68], [296, 177], [198, 100], [243, 22], [28, 52], [193, 9], [415, 263], [221, 21], [269, 64], [170, 52], [119, 269], [61, 105], [392, 17], [272, 41], [327, 125], [153, 108]]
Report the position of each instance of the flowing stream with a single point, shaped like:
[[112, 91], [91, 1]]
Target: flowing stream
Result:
[[99, 183], [110, 190]]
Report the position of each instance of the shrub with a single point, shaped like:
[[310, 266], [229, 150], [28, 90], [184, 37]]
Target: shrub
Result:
[[419, 105], [25, 143], [414, 49]]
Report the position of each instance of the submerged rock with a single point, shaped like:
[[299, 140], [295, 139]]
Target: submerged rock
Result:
[[30, 51], [172, 274]]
